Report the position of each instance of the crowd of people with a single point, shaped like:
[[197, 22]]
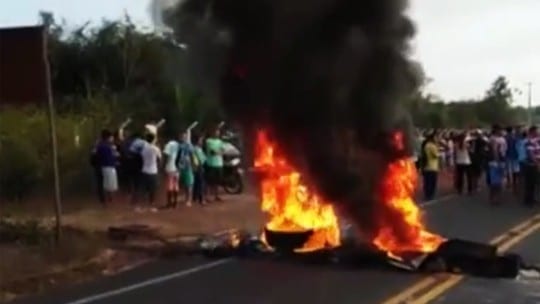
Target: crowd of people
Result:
[[192, 165], [507, 158]]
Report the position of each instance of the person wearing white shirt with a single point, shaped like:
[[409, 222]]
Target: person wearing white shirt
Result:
[[463, 163], [151, 156], [171, 154], [450, 151]]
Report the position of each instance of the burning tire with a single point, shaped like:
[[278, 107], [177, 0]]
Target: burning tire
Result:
[[285, 241]]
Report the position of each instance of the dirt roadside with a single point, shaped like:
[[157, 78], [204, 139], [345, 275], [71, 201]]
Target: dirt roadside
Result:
[[91, 254], [238, 211]]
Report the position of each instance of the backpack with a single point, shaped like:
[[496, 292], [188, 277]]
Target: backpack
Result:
[[184, 157]]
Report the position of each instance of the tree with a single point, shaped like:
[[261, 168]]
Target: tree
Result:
[[137, 73], [495, 107]]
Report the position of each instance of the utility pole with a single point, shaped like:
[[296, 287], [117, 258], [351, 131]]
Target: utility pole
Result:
[[529, 103], [53, 139]]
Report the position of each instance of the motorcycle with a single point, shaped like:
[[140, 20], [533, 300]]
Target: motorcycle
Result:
[[233, 174]]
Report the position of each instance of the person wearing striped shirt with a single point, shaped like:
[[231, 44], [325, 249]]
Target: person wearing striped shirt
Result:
[[531, 163]]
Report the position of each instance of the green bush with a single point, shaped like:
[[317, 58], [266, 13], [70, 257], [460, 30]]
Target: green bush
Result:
[[25, 151], [19, 168]]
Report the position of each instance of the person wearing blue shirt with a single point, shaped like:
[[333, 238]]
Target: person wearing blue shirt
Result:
[[108, 158], [136, 144], [133, 148], [185, 166], [530, 167], [521, 150], [512, 163]]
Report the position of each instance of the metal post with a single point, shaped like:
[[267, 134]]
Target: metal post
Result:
[[529, 103], [53, 141]]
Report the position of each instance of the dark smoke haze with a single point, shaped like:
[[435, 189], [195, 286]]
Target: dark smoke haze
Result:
[[325, 77]]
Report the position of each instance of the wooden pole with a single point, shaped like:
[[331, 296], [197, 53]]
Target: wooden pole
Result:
[[53, 140]]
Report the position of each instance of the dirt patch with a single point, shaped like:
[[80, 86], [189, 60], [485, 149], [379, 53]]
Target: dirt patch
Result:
[[240, 211], [30, 267], [86, 252]]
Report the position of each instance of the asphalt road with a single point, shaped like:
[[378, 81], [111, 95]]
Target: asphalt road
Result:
[[484, 291], [199, 280]]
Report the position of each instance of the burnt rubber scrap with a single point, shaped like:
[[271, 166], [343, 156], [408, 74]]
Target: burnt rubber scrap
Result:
[[453, 256]]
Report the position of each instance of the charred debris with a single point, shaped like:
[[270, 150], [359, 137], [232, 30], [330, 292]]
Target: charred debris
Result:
[[455, 256]]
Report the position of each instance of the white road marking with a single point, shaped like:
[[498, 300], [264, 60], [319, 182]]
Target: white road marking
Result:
[[189, 271], [437, 200], [153, 281]]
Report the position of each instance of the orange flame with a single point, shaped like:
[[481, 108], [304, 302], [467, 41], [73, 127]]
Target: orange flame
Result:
[[290, 204], [293, 206], [403, 230]]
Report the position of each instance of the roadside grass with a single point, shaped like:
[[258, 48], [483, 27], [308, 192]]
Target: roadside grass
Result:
[[32, 262]]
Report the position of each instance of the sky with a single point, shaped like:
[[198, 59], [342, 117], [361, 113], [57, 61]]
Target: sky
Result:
[[463, 45]]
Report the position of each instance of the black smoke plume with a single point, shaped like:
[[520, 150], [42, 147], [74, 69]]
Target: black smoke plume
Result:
[[325, 77]]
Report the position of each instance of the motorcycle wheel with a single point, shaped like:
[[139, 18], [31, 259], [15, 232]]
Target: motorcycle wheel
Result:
[[234, 185]]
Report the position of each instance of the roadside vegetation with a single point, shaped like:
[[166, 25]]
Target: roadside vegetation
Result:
[[31, 261]]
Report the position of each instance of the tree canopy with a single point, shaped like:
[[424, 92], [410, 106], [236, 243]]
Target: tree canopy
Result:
[[135, 73], [117, 67], [496, 106], [138, 73]]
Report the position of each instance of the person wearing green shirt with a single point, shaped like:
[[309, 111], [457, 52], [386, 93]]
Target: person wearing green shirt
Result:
[[214, 163]]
